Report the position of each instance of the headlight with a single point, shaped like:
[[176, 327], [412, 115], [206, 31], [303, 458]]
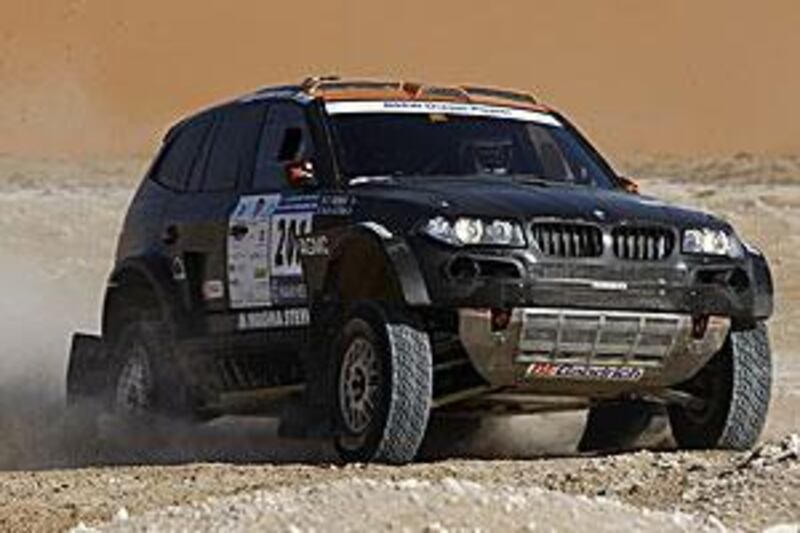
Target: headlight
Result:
[[709, 241], [474, 231], [468, 230]]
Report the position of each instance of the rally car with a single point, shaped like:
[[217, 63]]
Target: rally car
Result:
[[356, 256]]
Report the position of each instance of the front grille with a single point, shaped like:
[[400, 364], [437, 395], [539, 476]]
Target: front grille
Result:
[[568, 239], [642, 243], [597, 337]]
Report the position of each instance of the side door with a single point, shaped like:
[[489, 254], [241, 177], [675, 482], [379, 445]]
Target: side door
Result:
[[200, 220], [265, 277]]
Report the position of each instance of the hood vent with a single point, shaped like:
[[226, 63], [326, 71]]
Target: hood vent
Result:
[[568, 239], [638, 243]]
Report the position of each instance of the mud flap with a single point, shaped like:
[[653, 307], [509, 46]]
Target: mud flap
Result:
[[310, 418], [86, 374]]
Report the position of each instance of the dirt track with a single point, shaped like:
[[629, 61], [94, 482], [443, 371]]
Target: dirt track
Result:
[[58, 222]]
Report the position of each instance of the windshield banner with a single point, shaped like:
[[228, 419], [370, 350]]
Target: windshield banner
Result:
[[444, 108]]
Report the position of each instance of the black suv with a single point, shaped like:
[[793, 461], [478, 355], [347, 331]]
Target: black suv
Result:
[[353, 256]]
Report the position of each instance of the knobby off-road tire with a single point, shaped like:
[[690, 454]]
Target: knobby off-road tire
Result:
[[615, 426], [145, 380], [383, 373], [736, 387], [146, 405]]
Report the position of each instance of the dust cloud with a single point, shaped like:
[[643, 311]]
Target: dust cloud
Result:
[[39, 431], [59, 220], [32, 326]]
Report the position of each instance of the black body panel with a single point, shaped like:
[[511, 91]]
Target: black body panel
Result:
[[366, 243]]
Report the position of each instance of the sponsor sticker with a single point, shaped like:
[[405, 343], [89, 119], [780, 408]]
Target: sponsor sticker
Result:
[[213, 289], [274, 318], [289, 290], [248, 251], [606, 285], [178, 269], [442, 108], [583, 372], [336, 205], [314, 246]]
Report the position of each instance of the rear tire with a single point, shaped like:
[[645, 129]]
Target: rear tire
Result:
[[383, 374], [736, 386], [146, 380]]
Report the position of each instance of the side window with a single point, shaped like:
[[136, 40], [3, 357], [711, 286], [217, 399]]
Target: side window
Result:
[[232, 147], [180, 154], [286, 138]]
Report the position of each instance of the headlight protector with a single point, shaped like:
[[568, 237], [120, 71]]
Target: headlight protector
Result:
[[708, 241], [469, 231]]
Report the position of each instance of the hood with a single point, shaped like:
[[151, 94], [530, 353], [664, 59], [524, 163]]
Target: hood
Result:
[[504, 197]]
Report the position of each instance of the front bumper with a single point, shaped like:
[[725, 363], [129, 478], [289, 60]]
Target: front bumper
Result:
[[740, 289], [589, 352]]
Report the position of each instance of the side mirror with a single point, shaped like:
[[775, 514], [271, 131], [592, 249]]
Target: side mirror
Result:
[[300, 174], [629, 184]]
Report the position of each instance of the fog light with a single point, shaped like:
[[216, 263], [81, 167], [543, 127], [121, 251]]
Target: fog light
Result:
[[699, 326], [501, 318]]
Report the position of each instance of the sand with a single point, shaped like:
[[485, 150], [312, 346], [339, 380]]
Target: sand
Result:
[[711, 77]]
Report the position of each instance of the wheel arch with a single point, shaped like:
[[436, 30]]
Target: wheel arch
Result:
[[140, 287], [367, 262]]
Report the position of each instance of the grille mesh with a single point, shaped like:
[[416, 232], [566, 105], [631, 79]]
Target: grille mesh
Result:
[[637, 243], [560, 239]]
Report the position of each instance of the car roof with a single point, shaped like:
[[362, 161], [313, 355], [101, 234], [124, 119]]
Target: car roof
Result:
[[333, 89]]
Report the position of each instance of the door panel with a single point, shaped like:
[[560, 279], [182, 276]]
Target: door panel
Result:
[[263, 259], [200, 222]]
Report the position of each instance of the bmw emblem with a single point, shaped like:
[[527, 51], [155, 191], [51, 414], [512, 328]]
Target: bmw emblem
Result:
[[600, 214]]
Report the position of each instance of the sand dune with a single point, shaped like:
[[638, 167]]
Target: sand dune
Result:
[[689, 77]]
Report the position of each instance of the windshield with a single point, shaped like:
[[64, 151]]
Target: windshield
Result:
[[401, 139]]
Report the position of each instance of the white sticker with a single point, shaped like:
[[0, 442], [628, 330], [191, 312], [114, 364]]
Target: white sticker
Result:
[[213, 289], [446, 108], [248, 251], [287, 229]]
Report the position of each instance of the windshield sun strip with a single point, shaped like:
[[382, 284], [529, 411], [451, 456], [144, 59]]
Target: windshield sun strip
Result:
[[446, 108]]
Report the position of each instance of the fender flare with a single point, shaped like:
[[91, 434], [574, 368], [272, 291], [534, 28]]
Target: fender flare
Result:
[[171, 294], [395, 251], [763, 289]]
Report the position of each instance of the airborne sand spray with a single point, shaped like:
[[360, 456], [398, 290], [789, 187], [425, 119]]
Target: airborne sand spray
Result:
[[57, 244], [58, 225]]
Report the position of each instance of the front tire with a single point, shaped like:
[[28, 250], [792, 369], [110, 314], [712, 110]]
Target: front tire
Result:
[[383, 374], [735, 387]]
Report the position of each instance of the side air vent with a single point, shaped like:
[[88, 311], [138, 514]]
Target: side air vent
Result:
[[641, 243], [568, 239]]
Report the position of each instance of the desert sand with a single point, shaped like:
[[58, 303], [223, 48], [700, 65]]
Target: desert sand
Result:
[[58, 223], [711, 77]]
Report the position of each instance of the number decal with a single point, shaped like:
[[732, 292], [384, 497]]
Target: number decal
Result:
[[286, 230], [264, 264], [280, 233]]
